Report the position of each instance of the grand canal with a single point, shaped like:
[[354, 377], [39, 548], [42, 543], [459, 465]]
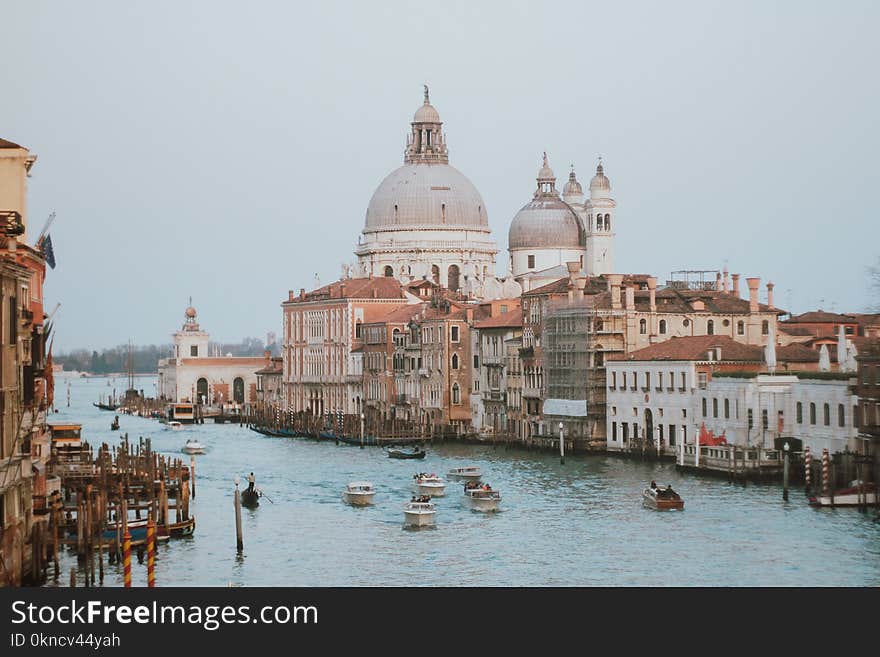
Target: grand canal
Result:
[[581, 523]]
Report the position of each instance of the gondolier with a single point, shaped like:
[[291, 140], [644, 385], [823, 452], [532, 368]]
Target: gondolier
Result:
[[251, 482]]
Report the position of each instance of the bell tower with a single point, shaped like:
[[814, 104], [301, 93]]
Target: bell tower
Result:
[[600, 210]]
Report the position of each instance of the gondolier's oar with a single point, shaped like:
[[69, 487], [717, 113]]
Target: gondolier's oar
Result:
[[262, 494]]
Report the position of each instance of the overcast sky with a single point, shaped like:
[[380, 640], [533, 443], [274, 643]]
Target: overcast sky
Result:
[[228, 151]]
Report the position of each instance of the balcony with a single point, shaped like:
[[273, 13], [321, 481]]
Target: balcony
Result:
[[10, 223], [494, 395], [424, 371]]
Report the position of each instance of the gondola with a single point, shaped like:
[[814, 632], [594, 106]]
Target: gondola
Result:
[[250, 498], [417, 453], [105, 407], [370, 441]]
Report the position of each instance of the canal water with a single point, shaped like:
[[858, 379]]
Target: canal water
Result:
[[581, 523]]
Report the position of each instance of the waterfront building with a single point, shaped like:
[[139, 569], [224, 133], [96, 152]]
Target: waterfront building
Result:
[[664, 395], [426, 220], [496, 393], [818, 323], [26, 383], [193, 374], [867, 392], [322, 344], [269, 382]]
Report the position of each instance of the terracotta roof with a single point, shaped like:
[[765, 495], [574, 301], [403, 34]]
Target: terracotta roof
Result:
[[800, 353], [399, 315], [8, 144], [511, 319], [275, 367], [820, 316], [378, 287], [794, 330], [696, 348]]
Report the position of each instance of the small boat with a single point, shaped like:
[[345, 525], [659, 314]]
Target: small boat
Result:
[[662, 498], [849, 496], [481, 498], [250, 498], [359, 493], [193, 447], [173, 424], [415, 453], [114, 426], [467, 473], [419, 514], [178, 529], [428, 484]]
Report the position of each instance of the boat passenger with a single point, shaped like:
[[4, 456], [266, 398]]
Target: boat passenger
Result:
[[653, 485]]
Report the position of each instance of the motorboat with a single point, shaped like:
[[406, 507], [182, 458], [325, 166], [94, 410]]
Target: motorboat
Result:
[[193, 447], [428, 484], [359, 493], [467, 473], [481, 498], [414, 453], [419, 514], [851, 496], [173, 424], [662, 498]]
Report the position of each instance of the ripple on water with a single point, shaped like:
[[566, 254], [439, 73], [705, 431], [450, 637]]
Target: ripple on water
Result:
[[578, 524]]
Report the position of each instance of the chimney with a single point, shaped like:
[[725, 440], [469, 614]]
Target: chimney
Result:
[[302, 293], [290, 295], [574, 269], [267, 355], [469, 313], [736, 285], [753, 284], [717, 281], [770, 294], [652, 290], [726, 284], [614, 281], [630, 297], [342, 290], [580, 284]]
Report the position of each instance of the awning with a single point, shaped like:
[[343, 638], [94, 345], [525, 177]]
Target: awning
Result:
[[566, 407]]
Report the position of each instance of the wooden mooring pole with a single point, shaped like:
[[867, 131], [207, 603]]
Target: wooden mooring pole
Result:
[[785, 473], [238, 541]]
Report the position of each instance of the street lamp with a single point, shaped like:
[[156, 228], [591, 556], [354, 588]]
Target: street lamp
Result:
[[362, 430], [561, 444]]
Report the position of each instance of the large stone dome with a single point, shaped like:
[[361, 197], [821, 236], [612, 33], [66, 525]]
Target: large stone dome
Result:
[[426, 196]]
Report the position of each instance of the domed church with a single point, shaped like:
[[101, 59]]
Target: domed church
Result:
[[552, 230], [426, 220]]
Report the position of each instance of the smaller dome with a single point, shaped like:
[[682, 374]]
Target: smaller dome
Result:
[[545, 172], [426, 114], [191, 312], [600, 181], [572, 187]]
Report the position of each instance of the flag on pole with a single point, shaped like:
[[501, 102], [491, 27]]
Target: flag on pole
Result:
[[48, 252]]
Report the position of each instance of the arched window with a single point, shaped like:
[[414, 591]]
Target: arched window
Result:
[[389, 270], [202, 391], [812, 413], [799, 413], [590, 223], [841, 416], [643, 326], [740, 328], [607, 222], [705, 407], [826, 415], [455, 361], [452, 280], [765, 327], [662, 327], [238, 390], [435, 274], [715, 407], [443, 212], [726, 409], [456, 394], [710, 327]]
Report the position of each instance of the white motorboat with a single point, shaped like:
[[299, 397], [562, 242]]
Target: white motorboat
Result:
[[467, 473], [193, 447], [857, 494], [419, 514], [482, 498], [173, 424], [359, 493], [428, 484]]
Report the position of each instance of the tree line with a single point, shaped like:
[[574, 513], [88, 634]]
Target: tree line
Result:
[[145, 358]]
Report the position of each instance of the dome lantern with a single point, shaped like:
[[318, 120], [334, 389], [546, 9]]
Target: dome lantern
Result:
[[426, 141]]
